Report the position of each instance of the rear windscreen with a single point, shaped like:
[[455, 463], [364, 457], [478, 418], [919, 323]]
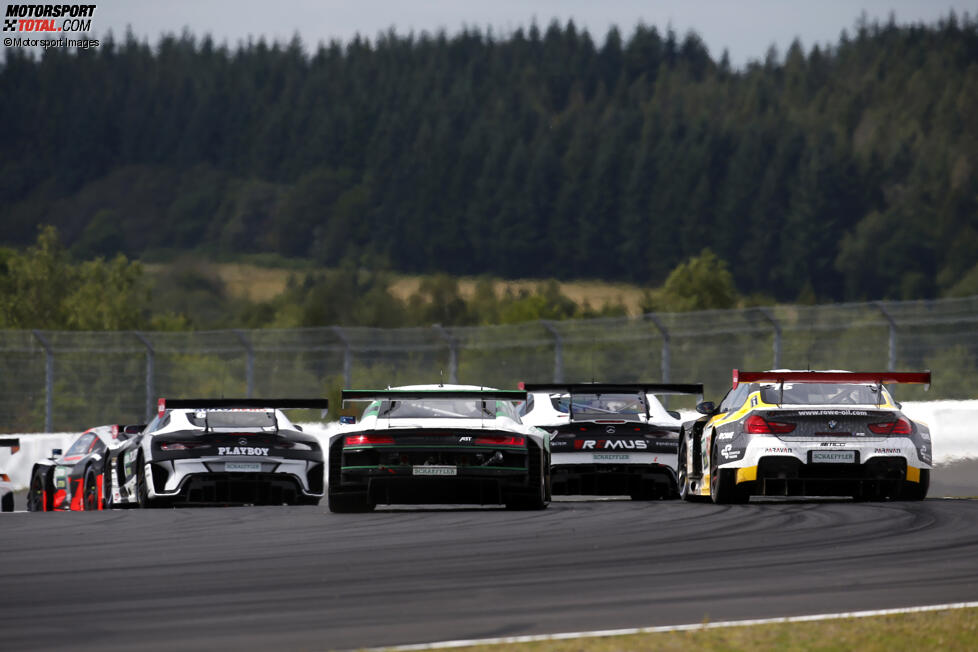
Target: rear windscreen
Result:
[[232, 419], [601, 405], [822, 394], [446, 409]]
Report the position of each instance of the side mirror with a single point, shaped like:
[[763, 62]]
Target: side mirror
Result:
[[298, 427], [348, 420], [55, 452], [706, 407]]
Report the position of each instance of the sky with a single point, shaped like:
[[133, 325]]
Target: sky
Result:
[[746, 28]]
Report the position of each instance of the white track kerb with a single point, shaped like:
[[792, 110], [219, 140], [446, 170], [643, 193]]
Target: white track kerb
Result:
[[678, 628]]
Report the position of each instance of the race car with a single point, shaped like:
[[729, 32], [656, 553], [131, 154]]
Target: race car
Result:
[[609, 439], [220, 451], [806, 433], [75, 480], [446, 444], [6, 488]]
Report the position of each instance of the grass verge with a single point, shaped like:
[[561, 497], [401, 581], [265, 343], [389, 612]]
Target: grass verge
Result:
[[955, 629]]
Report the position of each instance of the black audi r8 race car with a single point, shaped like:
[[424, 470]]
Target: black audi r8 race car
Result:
[[76, 479], [220, 451], [806, 433], [438, 444], [609, 439]]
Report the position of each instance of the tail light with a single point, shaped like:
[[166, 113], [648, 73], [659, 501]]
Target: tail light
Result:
[[367, 440], [758, 425], [899, 427], [4, 477], [500, 440]]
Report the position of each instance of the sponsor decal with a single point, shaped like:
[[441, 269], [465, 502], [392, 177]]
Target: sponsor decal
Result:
[[729, 453], [468, 439], [610, 444], [610, 430], [241, 450], [834, 457], [832, 413], [753, 401], [832, 443], [611, 457], [724, 436], [779, 449], [887, 451]]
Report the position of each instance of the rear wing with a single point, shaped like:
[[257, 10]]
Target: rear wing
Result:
[[165, 404], [614, 388], [432, 394], [877, 377]]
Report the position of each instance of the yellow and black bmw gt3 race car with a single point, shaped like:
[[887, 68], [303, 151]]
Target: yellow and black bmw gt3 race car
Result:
[[806, 433]]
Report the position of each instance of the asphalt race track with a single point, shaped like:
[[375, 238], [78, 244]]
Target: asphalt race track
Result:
[[257, 578]]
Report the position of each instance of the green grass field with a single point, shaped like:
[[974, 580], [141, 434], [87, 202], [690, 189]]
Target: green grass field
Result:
[[949, 630]]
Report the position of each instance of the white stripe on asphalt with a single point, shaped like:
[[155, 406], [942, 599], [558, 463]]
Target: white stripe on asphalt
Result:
[[676, 628]]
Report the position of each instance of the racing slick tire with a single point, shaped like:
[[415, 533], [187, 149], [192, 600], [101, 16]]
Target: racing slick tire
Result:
[[7, 503], [90, 492], [352, 503], [915, 490], [142, 491], [685, 491], [723, 485], [40, 496], [530, 502]]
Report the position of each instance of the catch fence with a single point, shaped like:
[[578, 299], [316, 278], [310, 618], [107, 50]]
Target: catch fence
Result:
[[69, 380]]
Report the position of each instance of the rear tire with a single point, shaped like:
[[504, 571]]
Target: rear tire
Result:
[[916, 490], [142, 490], [7, 503], [90, 492], [685, 490], [354, 503], [40, 486], [723, 485]]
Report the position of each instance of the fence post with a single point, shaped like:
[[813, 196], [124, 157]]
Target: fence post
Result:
[[452, 352], [48, 380], [777, 335], [150, 373], [558, 350], [347, 356], [891, 357], [250, 364], [666, 345]]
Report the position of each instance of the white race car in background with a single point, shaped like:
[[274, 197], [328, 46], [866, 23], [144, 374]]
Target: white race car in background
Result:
[[6, 488], [609, 439], [431, 444], [806, 433]]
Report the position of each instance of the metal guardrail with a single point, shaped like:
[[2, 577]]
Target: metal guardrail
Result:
[[69, 380]]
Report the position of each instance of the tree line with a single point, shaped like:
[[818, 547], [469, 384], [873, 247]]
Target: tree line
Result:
[[835, 173]]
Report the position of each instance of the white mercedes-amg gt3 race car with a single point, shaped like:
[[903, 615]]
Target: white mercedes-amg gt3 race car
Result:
[[806, 433], [221, 451], [609, 439]]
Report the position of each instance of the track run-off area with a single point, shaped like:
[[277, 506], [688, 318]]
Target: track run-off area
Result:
[[255, 578]]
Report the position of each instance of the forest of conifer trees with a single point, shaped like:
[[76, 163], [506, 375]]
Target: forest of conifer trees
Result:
[[840, 173]]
